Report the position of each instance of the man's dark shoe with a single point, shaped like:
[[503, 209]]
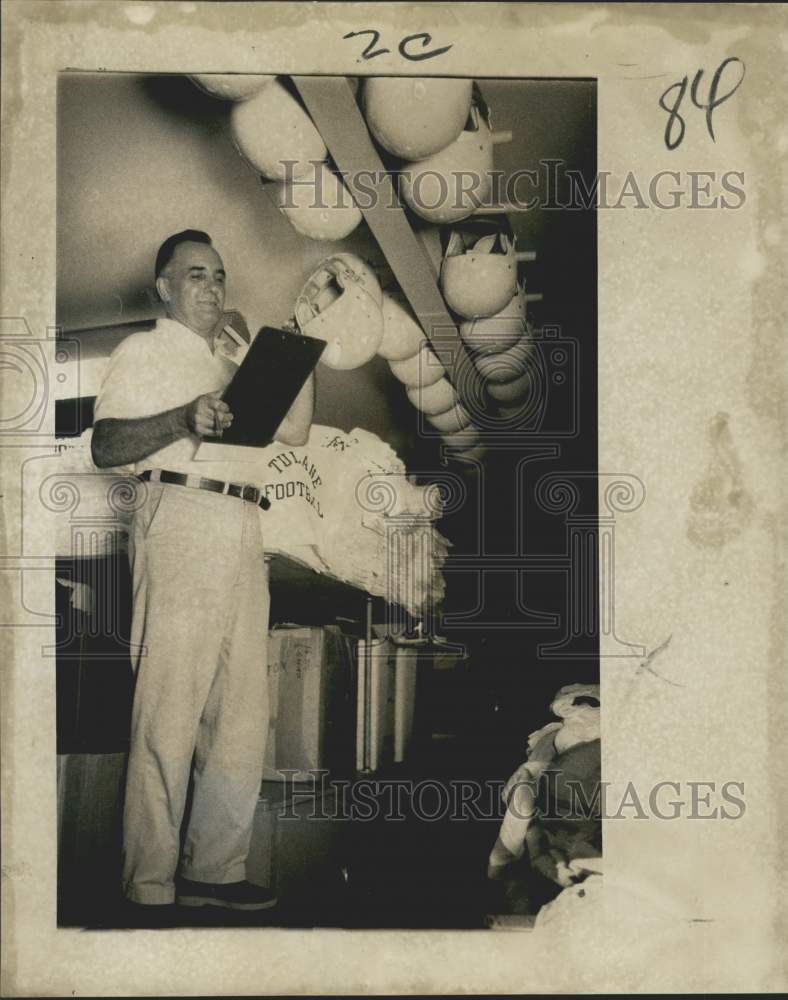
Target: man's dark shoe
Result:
[[229, 896]]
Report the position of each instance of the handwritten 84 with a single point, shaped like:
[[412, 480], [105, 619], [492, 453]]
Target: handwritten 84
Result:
[[675, 126]]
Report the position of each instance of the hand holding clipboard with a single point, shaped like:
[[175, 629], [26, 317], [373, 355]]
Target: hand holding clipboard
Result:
[[208, 415], [276, 366]]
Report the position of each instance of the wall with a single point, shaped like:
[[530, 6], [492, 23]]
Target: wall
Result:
[[140, 157]]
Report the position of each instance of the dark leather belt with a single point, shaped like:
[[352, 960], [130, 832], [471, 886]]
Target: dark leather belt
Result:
[[249, 493]]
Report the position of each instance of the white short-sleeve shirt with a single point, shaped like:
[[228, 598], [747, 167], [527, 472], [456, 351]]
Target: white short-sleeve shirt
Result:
[[154, 371]]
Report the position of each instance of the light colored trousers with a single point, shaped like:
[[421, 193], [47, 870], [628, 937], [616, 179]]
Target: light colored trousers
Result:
[[199, 632]]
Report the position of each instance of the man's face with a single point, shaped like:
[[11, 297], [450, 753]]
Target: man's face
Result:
[[192, 286]]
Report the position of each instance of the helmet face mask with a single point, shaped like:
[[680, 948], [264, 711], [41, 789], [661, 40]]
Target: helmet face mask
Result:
[[479, 281], [340, 304]]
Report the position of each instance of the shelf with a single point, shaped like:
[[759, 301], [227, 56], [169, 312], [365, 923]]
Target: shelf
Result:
[[305, 597]]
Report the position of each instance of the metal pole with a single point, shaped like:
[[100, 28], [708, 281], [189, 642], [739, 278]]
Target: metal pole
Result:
[[368, 688]]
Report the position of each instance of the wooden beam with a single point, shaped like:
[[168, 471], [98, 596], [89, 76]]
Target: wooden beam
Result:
[[332, 104]]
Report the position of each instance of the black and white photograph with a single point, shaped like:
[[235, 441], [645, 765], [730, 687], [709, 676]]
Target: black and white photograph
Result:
[[391, 437], [340, 607]]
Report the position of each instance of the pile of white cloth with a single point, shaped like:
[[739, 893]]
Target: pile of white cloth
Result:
[[341, 504], [577, 706]]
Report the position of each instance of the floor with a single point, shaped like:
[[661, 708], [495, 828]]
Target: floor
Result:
[[404, 873]]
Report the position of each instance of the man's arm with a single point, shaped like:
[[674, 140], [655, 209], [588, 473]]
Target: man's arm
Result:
[[294, 429], [121, 442]]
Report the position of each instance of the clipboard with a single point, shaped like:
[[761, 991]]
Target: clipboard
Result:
[[267, 382]]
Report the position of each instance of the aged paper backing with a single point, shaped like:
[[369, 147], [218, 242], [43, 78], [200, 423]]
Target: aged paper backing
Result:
[[691, 386]]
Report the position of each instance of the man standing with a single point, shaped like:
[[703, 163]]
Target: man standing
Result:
[[201, 602]]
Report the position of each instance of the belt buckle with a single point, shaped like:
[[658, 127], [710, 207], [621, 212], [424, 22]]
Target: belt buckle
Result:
[[249, 493]]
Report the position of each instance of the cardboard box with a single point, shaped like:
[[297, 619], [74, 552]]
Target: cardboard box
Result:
[[297, 839], [375, 701], [405, 676], [312, 708]]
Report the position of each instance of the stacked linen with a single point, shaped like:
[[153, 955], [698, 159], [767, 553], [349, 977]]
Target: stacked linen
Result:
[[396, 551], [342, 504]]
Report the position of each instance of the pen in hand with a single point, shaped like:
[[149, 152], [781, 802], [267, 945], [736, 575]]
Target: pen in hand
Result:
[[208, 415], [222, 418]]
